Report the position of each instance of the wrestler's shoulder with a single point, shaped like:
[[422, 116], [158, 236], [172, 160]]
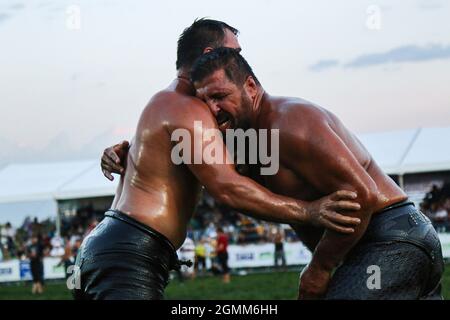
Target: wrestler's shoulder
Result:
[[170, 100], [169, 96], [288, 112]]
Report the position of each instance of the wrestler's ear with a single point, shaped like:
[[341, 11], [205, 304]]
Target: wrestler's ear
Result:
[[250, 87], [207, 49]]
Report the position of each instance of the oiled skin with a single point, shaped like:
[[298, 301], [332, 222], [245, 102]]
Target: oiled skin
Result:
[[153, 190], [318, 155], [162, 194]]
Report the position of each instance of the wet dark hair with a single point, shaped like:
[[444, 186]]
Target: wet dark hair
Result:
[[201, 34], [230, 60]]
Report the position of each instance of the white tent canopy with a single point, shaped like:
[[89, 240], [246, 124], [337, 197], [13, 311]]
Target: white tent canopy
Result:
[[90, 183], [410, 151], [27, 182], [429, 152], [389, 148], [34, 189]]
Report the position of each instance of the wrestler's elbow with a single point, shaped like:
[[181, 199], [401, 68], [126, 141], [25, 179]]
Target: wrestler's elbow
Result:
[[368, 199]]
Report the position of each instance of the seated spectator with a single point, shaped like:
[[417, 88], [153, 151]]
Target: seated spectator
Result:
[[440, 218], [230, 230], [261, 231], [57, 247], [248, 231], [36, 227], [8, 235], [210, 231], [433, 194]]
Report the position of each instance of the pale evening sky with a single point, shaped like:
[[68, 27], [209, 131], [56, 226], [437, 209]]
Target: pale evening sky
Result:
[[67, 92]]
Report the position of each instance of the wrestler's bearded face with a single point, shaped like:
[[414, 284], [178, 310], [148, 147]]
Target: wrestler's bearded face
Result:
[[230, 104]]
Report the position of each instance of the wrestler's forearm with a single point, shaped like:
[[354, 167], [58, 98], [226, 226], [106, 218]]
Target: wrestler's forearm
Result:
[[246, 196], [333, 247]]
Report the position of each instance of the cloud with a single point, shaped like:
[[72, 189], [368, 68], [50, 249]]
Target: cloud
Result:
[[17, 6], [323, 65], [410, 53], [430, 5], [4, 17], [51, 7], [44, 4], [74, 76]]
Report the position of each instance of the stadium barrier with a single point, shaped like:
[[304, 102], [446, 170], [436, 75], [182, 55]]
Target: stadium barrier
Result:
[[240, 256], [262, 255], [19, 270]]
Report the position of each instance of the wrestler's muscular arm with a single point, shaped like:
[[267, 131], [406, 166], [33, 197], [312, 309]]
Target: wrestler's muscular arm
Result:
[[322, 158], [237, 191]]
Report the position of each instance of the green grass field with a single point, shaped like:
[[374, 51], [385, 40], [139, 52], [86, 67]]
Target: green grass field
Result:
[[271, 285]]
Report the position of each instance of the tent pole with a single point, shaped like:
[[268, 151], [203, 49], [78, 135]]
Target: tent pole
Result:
[[58, 223], [401, 181]]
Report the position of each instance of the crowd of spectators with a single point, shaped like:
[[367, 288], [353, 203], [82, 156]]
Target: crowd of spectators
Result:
[[76, 224], [240, 229], [436, 205], [16, 242], [34, 239], [19, 243]]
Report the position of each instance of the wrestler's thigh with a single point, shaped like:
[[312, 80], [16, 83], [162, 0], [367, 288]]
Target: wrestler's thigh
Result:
[[401, 268]]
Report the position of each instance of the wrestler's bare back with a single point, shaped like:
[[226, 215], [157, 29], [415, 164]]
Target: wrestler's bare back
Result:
[[153, 189]]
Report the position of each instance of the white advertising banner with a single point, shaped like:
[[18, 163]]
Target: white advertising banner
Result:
[[262, 255], [16, 270], [9, 271], [240, 256], [52, 270], [445, 243]]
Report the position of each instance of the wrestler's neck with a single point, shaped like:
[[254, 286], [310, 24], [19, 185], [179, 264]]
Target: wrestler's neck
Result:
[[183, 83], [261, 102]]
